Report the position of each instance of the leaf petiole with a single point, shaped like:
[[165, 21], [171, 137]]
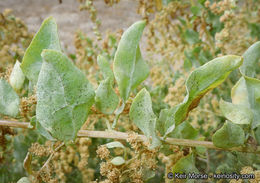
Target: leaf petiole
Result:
[[117, 113]]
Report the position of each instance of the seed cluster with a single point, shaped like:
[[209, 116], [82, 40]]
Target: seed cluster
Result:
[[28, 106], [14, 38], [248, 170], [89, 6]]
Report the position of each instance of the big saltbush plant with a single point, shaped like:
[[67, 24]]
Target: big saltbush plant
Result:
[[65, 96]]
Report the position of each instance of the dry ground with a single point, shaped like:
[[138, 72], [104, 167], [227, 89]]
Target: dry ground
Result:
[[69, 18]]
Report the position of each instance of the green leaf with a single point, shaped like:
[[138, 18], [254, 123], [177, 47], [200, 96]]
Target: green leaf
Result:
[[115, 144], [105, 68], [191, 36], [196, 10], [106, 99], [237, 114], [17, 77], [164, 123], [229, 135], [239, 93], [64, 96], [253, 88], [40, 129], [9, 100], [126, 57], [45, 38], [184, 131], [24, 180], [251, 59], [141, 71], [141, 113], [185, 165], [43, 132], [187, 64], [27, 163], [249, 70], [33, 122], [246, 93], [200, 81], [254, 30], [117, 161]]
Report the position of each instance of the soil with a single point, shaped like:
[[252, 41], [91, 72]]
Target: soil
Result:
[[69, 18]]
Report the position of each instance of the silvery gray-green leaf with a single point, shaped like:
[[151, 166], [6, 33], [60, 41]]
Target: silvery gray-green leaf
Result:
[[253, 88], [229, 135], [64, 96], [141, 113], [251, 59], [114, 145], [17, 77], [238, 114], [249, 70], [199, 82], [105, 68], [165, 123], [141, 71], [9, 100], [106, 99], [239, 93], [45, 38], [245, 93], [43, 131], [117, 161], [126, 57], [40, 129]]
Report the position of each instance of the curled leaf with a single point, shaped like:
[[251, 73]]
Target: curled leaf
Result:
[[199, 82], [64, 96], [9, 100], [45, 38], [27, 163]]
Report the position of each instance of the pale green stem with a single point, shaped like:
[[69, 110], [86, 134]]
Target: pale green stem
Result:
[[117, 113]]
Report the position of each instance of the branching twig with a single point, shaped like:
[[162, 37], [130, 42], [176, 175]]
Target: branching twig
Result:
[[50, 157], [124, 136]]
